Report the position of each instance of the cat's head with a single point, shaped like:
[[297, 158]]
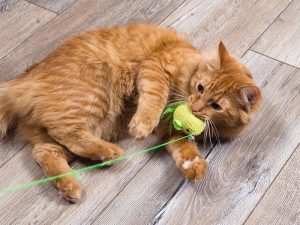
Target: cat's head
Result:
[[222, 91]]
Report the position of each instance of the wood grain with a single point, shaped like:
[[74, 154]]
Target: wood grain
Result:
[[54, 5], [281, 203], [18, 21], [237, 23], [148, 193], [105, 186], [100, 14], [240, 172], [9, 146], [143, 197], [68, 24], [282, 39], [100, 186], [137, 191]]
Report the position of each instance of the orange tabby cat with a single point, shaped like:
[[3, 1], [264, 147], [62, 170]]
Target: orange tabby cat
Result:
[[83, 95]]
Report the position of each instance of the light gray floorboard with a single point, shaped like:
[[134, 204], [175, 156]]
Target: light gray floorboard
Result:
[[236, 22], [18, 21], [76, 20], [280, 204], [145, 189], [282, 39], [107, 186], [240, 172], [54, 5]]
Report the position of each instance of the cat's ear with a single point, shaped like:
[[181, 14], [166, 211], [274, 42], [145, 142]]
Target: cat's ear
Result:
[[223, 55], [251, 97]]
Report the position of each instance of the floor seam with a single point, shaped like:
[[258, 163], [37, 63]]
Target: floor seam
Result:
[[155, 221], [175, 193], [23, 146], [123, 188], [38, 30], [257, 52], [270, 24], [279, 172], [32, 3]]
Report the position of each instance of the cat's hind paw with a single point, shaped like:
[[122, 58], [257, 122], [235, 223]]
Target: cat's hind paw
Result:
[[70, 188]]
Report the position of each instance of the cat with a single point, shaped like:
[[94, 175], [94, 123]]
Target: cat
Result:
[[101, 85]]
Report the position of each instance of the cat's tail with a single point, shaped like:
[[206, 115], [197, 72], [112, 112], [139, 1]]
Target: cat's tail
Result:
[[6, 110]]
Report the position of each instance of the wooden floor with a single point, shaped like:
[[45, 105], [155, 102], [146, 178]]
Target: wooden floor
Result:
[[252, 180]]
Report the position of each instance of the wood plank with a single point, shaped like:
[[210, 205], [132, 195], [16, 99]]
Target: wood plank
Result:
[[54, 5], [282, 39], [68, 24], [18, 21], [237, 23], [100, 14], [100, 186], [240, 172], [149, 202], [143, 197], [21, 169], [9, 146], [281, 203], [103, 187]]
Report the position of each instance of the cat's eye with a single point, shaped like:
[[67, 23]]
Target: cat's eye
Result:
[[215, 106], [200, 88]]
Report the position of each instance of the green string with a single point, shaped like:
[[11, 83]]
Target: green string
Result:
[[76, 172]]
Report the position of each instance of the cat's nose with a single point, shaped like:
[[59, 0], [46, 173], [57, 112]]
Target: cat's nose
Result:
[[194, 108]]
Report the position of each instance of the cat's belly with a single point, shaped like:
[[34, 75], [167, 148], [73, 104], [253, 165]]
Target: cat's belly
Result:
[[114, 125], [110, 129]]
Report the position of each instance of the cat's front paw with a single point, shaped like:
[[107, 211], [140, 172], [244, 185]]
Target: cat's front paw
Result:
[[141, 127], [193, 169]]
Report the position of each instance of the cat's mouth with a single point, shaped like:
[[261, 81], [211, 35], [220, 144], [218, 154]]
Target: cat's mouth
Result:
[[199, 115]]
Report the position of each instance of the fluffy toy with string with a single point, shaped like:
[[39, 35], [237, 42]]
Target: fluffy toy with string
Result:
[[180, 116]]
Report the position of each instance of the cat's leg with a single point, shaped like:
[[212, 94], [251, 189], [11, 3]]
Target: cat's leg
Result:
[[153, 86], [80, 141], [188, 158], [53, 159]]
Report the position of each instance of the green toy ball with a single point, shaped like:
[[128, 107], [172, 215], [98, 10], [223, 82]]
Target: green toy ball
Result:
[[183, 118]]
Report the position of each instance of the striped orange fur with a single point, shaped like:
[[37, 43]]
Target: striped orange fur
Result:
[[97, 86]]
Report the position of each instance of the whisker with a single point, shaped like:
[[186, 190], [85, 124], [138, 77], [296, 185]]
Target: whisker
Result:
[[207, 128], [174, 100], [205, 134], [217, 134], [179, 89], [215, 131], [209, 134], [176, 95]]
